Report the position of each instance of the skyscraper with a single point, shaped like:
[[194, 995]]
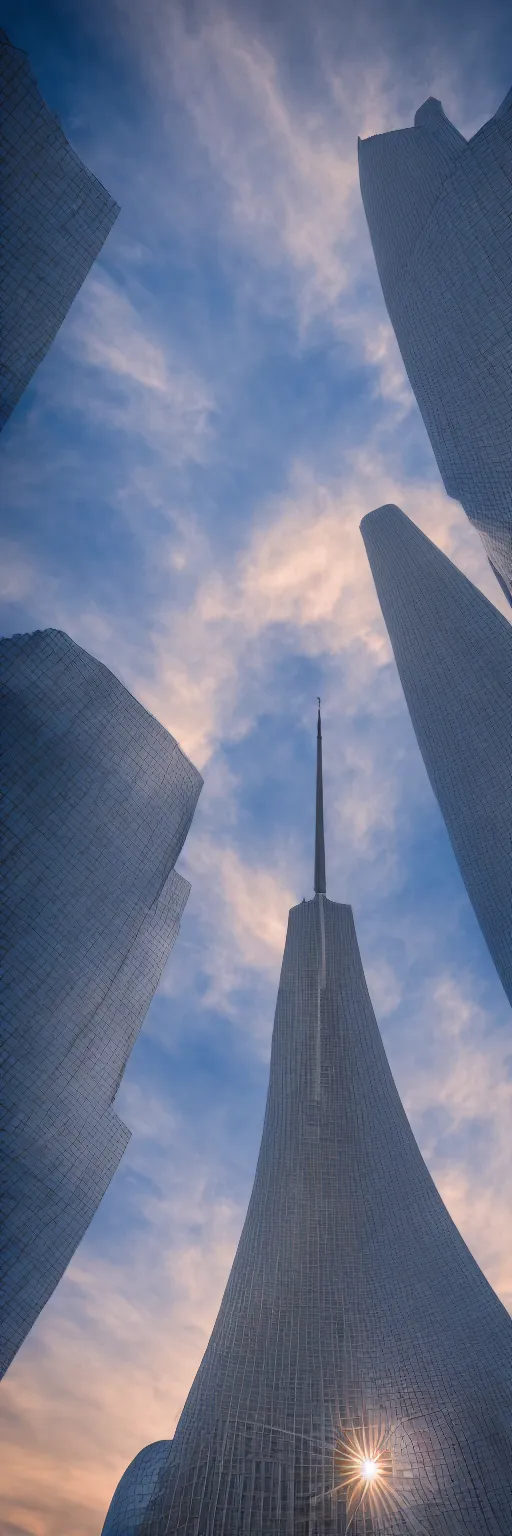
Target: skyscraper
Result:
[[439, 212], [359, 1374], [97, 802], [453, 651], [56, 216]]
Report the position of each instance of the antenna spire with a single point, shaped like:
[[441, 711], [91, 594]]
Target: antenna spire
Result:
[[319, 824]]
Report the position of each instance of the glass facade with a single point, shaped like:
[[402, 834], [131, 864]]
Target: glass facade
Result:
[[453, 651], [136, 1489], [97, 802], [439, 210], [55, 218], [356, 1331]]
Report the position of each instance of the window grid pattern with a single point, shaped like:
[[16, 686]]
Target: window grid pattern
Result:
[[56, 217], [352, 1302], [439, 210], [453, 651], [136, 1489], [97, 802]]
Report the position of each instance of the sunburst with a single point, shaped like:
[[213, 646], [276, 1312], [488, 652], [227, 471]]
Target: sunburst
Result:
[[363, 1470], [364, 1467], [364, 1474]]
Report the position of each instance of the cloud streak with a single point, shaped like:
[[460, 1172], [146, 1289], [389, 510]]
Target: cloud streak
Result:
[[146, 389]]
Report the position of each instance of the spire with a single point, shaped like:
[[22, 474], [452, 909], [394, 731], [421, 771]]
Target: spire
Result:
[[319, 826]]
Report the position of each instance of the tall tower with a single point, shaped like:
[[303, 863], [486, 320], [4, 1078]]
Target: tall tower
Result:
[[56, 217], [453, 651], [439, 213], [97, 800], [359, 1375]]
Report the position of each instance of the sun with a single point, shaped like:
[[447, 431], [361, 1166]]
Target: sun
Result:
[[364, 1467], [369, 1470]]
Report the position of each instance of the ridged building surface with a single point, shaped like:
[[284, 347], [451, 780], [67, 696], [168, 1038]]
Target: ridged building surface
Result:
[[439, 210], [55, 218], [359, 1374], [97, 799], [453, 651]]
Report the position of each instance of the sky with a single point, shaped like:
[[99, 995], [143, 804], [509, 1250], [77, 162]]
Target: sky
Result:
[[182, 486]]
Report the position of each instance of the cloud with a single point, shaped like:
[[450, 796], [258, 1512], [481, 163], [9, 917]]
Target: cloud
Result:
[[112, 338], [117, 1347], [384, 987], [281, 168], [302, 579], [373, 337], [146, 388], [288, 178], [17, 575], [285, 166], [240, 938], [257, 902], [458, 1092]]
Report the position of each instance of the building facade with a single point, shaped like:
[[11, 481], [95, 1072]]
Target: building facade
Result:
[[439, 210], [359, 1374], [97, 802], [453, 651], [136, 1489], [55, 219]]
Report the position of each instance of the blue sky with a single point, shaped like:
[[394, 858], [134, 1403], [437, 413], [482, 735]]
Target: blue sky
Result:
[[182, 489]]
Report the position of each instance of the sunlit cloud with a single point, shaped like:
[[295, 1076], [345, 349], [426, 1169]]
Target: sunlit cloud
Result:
[[144, 1321], [303, 579]]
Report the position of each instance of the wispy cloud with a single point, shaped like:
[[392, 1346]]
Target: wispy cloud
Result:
[[284, 170], [288, 179], [144, 1330], [302, 579], [240, 940], [145, 387], [288, 164], [460, 1096]]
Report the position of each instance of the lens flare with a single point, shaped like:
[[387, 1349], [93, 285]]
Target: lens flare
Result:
[[366, 1473], [364, 1467]]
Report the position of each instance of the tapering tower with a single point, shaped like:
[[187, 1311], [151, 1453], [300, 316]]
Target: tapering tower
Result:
[[438, 208], [359, 1375], [453, 651]]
